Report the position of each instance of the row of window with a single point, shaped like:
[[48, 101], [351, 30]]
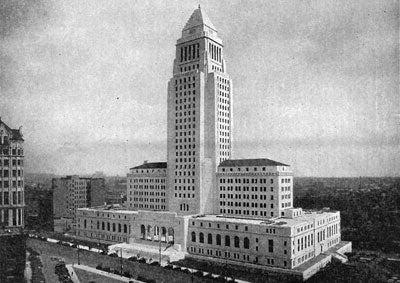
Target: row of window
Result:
[[244, 189], [184, 195], [141, 193], [149, 171], [13, 151], [11, 217], [187, 172], [243, 180], [245, 204], [148, 199], [14, 184], [11, 198], [14, 173], [147, 187], [146, 180], [185, 140], [190, 52], [184, 153], [245, 212], [305, 242], [106, 226], [149, 206], [14, 162]]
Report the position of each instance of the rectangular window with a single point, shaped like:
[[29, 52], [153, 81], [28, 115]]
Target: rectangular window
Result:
[[271, 246]]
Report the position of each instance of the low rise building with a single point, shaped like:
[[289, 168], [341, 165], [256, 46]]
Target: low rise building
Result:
[[105, 224], [282, 242]]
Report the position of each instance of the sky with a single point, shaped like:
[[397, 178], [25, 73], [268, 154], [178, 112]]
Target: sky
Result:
[[315, 83]]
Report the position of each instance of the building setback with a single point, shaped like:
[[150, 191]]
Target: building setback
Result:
[[213, 207]]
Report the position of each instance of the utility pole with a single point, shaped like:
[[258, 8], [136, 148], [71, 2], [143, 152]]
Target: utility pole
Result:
[[159, 249], [122, 267]]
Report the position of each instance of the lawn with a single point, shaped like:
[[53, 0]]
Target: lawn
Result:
[[89, 277]]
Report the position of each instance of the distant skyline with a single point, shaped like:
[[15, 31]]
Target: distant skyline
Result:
[[315, 83]]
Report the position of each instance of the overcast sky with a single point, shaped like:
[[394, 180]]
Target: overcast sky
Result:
[[316, 83]]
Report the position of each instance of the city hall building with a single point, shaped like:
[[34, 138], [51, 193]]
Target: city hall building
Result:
[[202, 202]]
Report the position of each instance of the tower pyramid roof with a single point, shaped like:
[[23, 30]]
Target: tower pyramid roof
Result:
[[198, 18]]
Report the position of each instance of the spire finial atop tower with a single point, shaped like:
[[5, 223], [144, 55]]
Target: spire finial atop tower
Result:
[[198, 18]]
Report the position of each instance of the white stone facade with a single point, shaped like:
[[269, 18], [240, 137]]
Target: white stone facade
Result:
[[218, 208], [199, 117], [146, 187], [107, 224], [256, 188]]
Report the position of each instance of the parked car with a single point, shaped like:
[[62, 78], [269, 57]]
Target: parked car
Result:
[[133, 258], [142, 260], [113, 255], [155, 263]]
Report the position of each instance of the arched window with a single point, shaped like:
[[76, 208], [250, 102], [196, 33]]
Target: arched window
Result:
[[246, 243], [84, 223], [142, 231], [102, 226], [193, 237], [108, 226], [125, 228], [113, 227], [218, 239], [227, 241], [119, 227], [98, 225], [201, 238], [237, 242], [209, 239]]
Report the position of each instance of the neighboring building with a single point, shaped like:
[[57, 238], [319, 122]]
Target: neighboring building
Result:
[[11, 178], [219, 209], [71, 193], [116, 190], [12, 205], [96, 192], [39, 208], [146, 187]]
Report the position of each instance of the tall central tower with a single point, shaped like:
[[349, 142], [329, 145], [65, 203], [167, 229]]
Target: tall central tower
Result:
[[199, 117]]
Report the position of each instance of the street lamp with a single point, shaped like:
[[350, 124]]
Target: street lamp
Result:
[[79, 262]]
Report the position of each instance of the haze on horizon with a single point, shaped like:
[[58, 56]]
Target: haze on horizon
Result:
[[315, 83]]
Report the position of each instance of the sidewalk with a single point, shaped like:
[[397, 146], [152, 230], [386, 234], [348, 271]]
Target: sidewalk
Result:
[[72, 274], [106, 274]]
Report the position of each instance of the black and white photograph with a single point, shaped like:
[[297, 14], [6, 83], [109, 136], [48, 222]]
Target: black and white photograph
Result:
[[199, 141]]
